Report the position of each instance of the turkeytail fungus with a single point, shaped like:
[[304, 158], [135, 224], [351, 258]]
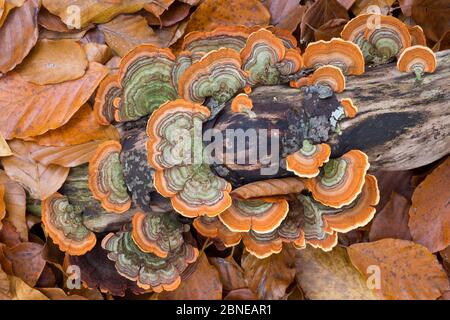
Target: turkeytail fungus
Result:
[[417, 36], [232, 37], [291, 63], [175, 150], [104, 107], [242, 103], [261, 215], [307, 161], [64, 224], [418, 60], [149, 271], [340, 180], [330, 76], [260, 56], [349, 108], [337, 52], [157, 233], [106, 179], [145, 75], [212, 227], [217, 75]]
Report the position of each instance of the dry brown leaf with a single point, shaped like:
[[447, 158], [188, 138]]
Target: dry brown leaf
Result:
[[406, 6], [347, 4], [41, 181], [408, 271], [125, 32], [59, 294], [241, 294], [270, 277], [82, 127], [285, 14], [318, 14], [68, 156], [432, 16], [29, 110], [202, 284], [392, 220], [96, 52], [80, 13], [169, 35], [27, 261], [8, 6], [330, 276], [270, 187], [52, 22], [15, 201], [429, 215], [5, 150], [158, 7], [213, 13], [21, 291], [231, 274], [5, 292], [176, 12], [389, 181], [18, 35], [54, 61], [329, 30], [2, 204]]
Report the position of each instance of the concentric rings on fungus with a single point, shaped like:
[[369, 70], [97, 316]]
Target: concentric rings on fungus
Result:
[[260, 57], [418, 60], [64, 224], [340, 180], [349, 108], [145, 74], [329, 76], [218, 75], [106, 180], [107, 92], [307, 161]]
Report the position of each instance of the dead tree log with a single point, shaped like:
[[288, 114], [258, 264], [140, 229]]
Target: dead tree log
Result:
[[401, 124]]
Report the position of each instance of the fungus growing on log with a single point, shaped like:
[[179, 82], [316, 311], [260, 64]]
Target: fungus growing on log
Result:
[[158, 233], [291, 63], [232, 37], [354, 31], [218, 75], [260, 57], [307, 161], [340, 180], [182, 62], [212, 227], [359, 213], [418, 60], [289, 41], [330, 76], [108, 91], [106, 179], [349, 108], [260, 215], [64, 224], [145, 74], [389, 38], [337, 52], [175, 150], [417, 36], [242, 103], [262, 245], [149, 271]]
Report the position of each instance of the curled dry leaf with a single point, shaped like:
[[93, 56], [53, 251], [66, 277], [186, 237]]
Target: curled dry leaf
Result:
[[230, 273], [59, 294], [330, 275], [201, 281], [54, 61], [19, 290], [392, 220], [82, 127], [177, 12], [27, 261], [40, 180], [67, 156], [18, 35], [429, 215], [318, 14], [432, 16], [241, 294], [5, 150], [285, 14], [406, 270], [213, 13], [270, 187], [270, 277], [366, 6], [97, 52], [29, 110], [5, 292], [15, 202], [126, 32], [2, 204], [80, 13]]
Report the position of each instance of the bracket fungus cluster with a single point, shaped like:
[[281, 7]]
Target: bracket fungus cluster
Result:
[[318, 195]]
